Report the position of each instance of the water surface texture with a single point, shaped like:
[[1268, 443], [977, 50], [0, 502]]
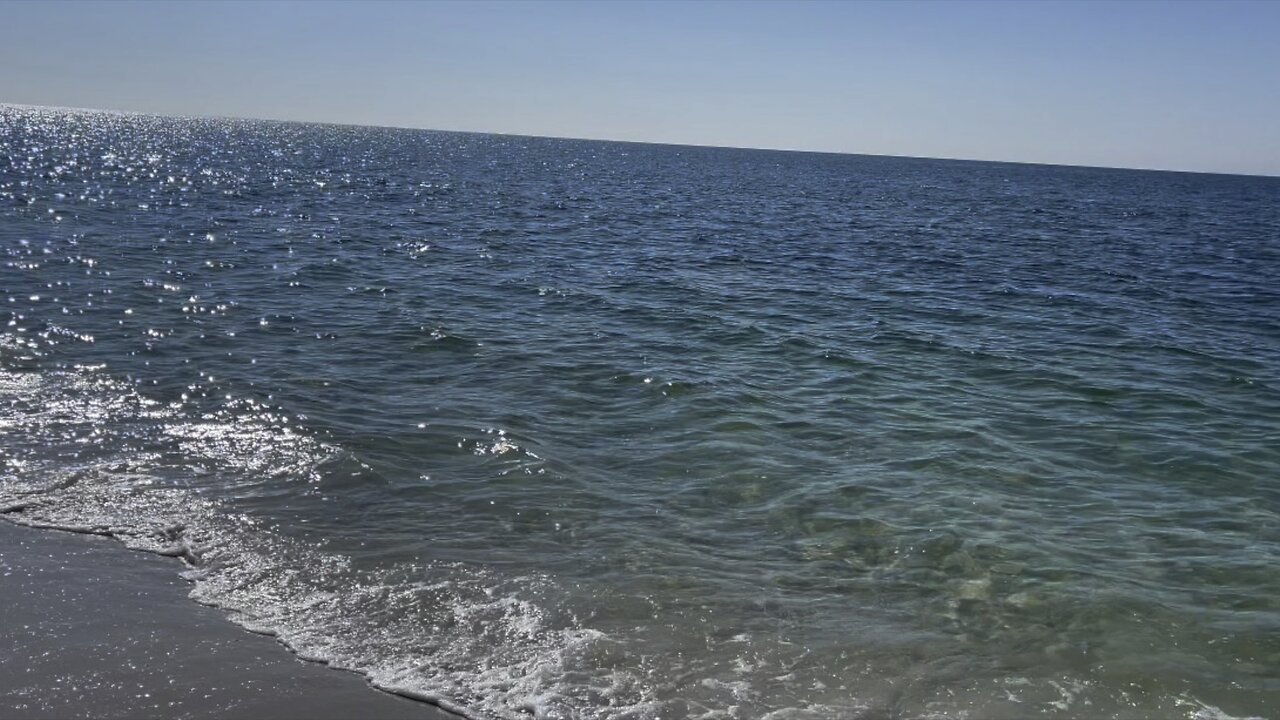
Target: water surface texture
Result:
[[568, 429]]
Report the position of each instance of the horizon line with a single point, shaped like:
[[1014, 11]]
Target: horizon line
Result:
[[178, 116]]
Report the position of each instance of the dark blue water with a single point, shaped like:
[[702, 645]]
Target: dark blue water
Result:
[[582, 429]]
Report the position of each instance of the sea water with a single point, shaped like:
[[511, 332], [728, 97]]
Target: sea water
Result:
[[570, 429]]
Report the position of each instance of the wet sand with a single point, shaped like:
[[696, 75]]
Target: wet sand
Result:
[[90, 629]]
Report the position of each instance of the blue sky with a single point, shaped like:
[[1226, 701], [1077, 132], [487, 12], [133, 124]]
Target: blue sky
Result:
[[1189, 85]]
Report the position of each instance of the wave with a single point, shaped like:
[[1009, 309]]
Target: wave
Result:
[[87, 453]]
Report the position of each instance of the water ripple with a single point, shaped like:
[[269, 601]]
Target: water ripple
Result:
[[600, 430]]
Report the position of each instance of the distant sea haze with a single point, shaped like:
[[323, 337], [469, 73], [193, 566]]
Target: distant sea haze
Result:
[[574, 429]]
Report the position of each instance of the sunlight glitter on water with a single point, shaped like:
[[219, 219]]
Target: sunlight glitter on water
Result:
[[595, 430]]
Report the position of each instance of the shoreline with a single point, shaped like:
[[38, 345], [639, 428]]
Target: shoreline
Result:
[[94, 629]]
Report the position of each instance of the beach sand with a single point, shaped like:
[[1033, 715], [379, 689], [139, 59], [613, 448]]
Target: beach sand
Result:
[[90, 629]]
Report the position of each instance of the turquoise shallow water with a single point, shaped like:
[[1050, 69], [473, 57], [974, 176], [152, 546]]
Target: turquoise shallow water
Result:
[[573, 429]]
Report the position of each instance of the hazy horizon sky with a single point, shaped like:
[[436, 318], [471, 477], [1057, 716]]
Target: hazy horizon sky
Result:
[[1181, 86]]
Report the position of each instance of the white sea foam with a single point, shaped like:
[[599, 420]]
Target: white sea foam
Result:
[[462, 637]]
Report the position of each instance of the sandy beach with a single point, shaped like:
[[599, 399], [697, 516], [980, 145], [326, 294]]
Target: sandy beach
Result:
[[93, 630]]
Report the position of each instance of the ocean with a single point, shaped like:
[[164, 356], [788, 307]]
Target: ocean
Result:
[[547, 428]]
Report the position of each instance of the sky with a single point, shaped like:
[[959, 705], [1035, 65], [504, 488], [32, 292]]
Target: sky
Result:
[[1167, 85]]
